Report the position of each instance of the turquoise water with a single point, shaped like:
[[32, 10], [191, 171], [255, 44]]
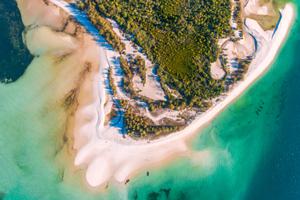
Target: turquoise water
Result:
[[253, 146]]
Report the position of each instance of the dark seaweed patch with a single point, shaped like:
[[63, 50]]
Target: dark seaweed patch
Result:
[[2, 195], [14, 56]]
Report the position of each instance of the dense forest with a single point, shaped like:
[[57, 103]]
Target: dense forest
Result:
[[180, 36], [14, 56]]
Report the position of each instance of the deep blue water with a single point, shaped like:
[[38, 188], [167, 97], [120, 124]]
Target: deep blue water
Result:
[[278, 174]]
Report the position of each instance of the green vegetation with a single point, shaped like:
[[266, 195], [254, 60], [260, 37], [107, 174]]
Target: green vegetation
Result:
[[104, 26], [180, 36], [128, 76], [14, 57], [138, 126], [139, 62], [243, 67], [111, 81], [237, 15]]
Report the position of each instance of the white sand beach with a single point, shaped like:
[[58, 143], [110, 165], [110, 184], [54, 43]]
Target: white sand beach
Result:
[[107, 156]]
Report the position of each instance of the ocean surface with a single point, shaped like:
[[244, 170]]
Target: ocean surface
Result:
[[250, 151]]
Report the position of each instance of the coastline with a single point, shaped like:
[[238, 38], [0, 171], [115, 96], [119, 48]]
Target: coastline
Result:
[[66, 61], [107, 159], [263, 64]]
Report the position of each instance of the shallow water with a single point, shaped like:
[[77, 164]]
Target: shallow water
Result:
[[250, 151]]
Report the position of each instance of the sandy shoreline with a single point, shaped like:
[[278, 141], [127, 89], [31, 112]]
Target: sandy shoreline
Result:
[[107, 159]]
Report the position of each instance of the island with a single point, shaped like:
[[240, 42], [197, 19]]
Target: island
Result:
[[160, 71]]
